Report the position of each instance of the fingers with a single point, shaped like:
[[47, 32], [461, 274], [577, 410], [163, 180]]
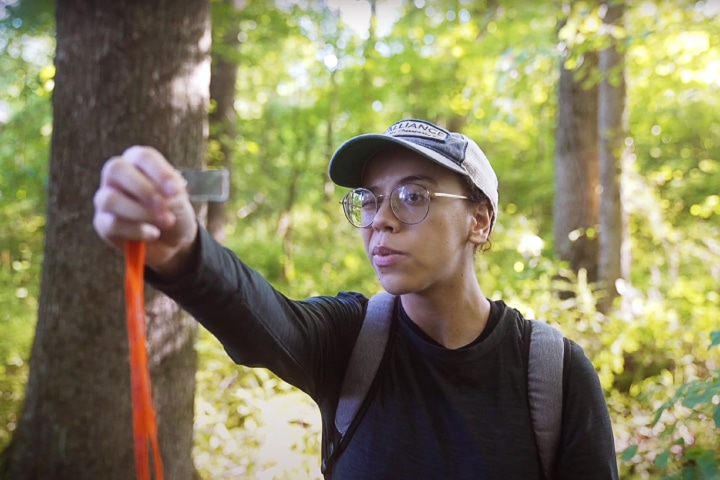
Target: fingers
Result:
[[110, 200], [117, 231], [124, 178], [165, 178], [138, 194], [144, 174]]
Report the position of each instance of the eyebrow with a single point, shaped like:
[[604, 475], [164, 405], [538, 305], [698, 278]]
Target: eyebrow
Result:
[[408, 179]]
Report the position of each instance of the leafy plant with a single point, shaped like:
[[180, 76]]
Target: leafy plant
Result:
[[690, 420]]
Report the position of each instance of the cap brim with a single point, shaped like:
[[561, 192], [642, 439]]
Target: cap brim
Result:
[[347, 164]]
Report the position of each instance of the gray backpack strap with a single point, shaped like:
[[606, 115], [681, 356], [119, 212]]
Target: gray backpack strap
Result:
[[365, 359], [545, 390]]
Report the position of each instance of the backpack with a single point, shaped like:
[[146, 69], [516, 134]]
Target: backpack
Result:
[[544, 358]]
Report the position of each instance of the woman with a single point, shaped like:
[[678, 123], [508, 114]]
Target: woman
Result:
[[450, 398]]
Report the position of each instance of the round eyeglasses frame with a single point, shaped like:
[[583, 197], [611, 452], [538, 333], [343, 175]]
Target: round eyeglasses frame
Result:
[[409, 202]]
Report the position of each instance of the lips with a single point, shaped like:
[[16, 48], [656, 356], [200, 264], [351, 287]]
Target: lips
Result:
[[383, 251], [385, 257]]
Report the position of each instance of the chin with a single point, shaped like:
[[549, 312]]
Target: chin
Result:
[[395, 284]]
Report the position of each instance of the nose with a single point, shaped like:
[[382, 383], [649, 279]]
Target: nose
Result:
[[385, 218]]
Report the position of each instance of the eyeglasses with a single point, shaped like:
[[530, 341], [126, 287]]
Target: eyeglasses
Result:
[[409, 202]]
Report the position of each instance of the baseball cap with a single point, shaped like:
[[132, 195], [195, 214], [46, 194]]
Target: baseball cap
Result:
[[451, 150]]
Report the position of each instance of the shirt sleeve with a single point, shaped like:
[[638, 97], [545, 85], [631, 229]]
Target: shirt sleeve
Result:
[[587, 447], [306, 343]]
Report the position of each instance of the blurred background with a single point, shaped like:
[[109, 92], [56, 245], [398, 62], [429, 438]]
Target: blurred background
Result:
[[600, 119]]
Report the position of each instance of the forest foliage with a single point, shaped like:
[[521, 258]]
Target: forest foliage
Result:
[[307, 80]]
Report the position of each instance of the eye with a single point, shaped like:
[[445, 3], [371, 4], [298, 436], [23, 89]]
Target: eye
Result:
[[412, 196], [366, 200]]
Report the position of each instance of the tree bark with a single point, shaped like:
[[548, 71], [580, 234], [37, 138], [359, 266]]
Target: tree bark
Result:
[[328, 185], [223, 118], [126, 73], [614, 250], [576, 206]]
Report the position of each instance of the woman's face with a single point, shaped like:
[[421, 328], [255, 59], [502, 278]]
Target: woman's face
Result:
[[436, 253]]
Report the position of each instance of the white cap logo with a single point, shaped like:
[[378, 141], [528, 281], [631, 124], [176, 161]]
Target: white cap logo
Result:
[[417, 129]]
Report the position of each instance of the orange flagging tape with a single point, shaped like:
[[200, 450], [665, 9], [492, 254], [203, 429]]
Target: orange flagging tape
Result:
[[144, 423]]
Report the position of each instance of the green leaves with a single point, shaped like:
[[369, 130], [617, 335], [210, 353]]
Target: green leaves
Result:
[[661, 461], [715, 338], [489, 69], [700, 393], [629, 453]]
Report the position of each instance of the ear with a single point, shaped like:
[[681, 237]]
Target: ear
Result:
[[480, 224]]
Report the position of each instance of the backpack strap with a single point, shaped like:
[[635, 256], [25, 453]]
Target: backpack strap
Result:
[[364, 363], [545, 390], [365, 359]]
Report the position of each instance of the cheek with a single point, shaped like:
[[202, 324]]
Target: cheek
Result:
[[365, 234], [454, 227]]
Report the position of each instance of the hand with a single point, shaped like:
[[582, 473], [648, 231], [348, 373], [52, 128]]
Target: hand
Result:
[[142, 197]]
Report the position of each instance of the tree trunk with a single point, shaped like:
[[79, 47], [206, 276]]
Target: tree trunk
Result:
[[614, 248], [329, 186], [225, 63], [576, 167], [126, 73]]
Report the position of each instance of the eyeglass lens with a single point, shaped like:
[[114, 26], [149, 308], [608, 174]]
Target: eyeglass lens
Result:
[[410, 204]]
